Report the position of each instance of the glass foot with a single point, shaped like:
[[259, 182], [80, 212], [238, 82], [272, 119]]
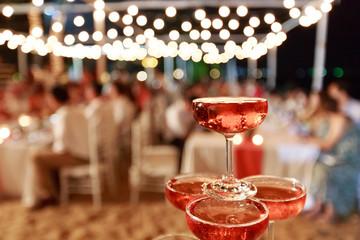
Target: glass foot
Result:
[[230, 188]]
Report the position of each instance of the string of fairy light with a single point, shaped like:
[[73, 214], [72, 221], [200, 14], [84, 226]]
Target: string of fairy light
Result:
[[127, 46]]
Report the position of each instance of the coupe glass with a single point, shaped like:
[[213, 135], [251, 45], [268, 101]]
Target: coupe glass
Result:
[[229, 116], [284, 197], [182, 189], [214, 219]]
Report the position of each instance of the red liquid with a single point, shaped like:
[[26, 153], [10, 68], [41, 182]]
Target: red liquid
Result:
[[218, 220], [282, 202], [229, 114], [179, 191]]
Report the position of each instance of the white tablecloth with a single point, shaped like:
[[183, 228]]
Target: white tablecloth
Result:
[[204, 152], [13, 157], [12, 167], [283, 155]]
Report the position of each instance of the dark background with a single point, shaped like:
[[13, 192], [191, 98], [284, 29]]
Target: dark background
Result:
[[296, 55]]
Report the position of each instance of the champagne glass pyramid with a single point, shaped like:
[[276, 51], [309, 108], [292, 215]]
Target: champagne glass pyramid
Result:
[[228, 211]]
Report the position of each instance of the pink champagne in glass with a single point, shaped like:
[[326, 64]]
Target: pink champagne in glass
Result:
[[285, 197], [183, 188], [229, 115], [213, 219]]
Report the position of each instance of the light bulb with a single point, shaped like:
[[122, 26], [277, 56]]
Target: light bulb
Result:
[[112, 33], [149, 33], [186, 26], [224, 11], [38, 3], [83, 36], [170, 11], [114, 16], [159, 24], [97, 36], [174, 35], [69, 39], [200, 14], [217, 23], [127, 19], [233, 24], [269, 18], [37, 32], [294, 13], [194, 34], [224, 34], [140, 39], [205, 23], [254, 22], [57, 27], [205, 35], [242, 11], [99, 14], [276, 27], [128, 31], [79, 21], [249, 31], [133, 10], [141, 76], [99, 4], [289, 3], [141, 20], [7, 11]]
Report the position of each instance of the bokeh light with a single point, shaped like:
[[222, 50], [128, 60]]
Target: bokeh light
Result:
[[257, 139], [114, 16], [170, 11], [141, 76], [178, 73]]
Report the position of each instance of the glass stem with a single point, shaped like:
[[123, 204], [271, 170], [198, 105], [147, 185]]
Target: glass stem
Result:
[[229, 158], [270, 230]]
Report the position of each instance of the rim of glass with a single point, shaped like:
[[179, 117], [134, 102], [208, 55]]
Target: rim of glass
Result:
[[228, 99], [204, 175], [174, 235], [266, 215], [272, 177]]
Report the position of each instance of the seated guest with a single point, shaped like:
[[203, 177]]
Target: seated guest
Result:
[[340, 91], [179, 123], [124, 110], [96, 105], [343, 178], [124, 107], [70, 147], [329, 130], [99, 115]]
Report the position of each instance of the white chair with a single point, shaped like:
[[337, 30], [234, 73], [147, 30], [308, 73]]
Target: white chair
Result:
[[89, 178], [151, 165]]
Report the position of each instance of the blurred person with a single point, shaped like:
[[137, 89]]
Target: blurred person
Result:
[[179, 122], [124, 107], [99, 111], [124, 111], [15, 99], [69, 148], [95, 101], [328, 129], [340, 91], [76, 93], [142, 95], [36, 100]]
